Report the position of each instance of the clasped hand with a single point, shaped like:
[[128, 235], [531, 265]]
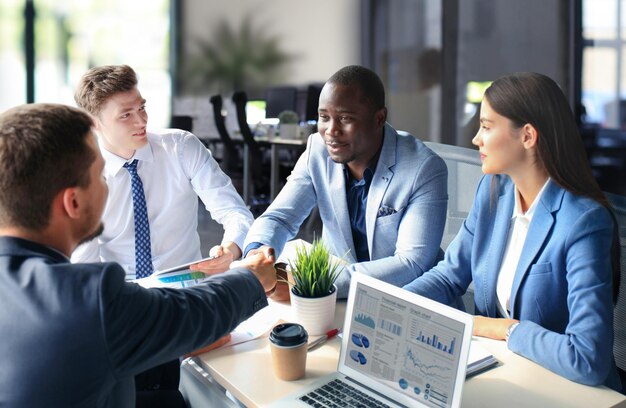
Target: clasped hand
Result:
[[261, 263]]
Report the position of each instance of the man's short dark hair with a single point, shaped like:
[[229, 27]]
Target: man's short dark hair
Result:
[[372, 88], [43, 150], [100, 83]]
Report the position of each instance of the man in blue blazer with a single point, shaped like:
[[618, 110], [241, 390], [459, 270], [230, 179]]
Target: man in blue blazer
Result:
[[382, 196], [75, 335]]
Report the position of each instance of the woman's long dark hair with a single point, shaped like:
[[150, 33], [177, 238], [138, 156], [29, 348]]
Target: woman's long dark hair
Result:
[[528, 97]]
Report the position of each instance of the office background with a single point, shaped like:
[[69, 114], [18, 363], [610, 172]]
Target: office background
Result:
[[435, 56]]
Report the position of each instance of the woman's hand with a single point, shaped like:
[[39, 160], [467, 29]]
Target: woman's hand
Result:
[[493, 328]]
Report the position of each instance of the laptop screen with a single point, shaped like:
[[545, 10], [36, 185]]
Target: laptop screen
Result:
[[405, 346]]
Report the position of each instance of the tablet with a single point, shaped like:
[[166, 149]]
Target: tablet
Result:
[[182, 267]]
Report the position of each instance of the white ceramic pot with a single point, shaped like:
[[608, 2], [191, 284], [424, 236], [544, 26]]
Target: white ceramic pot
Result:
[[317, 315], [288, 130]]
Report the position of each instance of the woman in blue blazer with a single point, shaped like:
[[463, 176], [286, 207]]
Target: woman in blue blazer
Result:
[[539, 243]]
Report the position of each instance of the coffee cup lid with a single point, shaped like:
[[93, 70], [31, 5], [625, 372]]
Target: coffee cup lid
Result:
[[288, 334]]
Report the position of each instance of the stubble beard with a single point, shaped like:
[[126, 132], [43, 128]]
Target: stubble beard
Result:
[[96, 233]]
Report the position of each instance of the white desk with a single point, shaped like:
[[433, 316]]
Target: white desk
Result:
[[245, 370]]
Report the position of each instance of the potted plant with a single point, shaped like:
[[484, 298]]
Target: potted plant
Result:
[[288, 124], [233, 59], [313, 291]]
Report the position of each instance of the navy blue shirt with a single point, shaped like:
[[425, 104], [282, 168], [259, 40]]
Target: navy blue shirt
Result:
[[356, 195]]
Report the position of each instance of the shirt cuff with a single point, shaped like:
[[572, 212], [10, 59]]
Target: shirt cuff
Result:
[[250, 247], [236, 235]]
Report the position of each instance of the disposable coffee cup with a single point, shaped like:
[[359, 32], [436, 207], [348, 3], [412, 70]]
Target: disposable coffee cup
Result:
[[288, 342]]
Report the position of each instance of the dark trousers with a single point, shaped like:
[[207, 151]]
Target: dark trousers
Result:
[[158, 387]]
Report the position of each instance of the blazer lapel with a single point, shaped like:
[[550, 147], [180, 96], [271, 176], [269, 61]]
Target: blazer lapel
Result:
[[495, 253], [381, 180], [337, 183], [540, 227]]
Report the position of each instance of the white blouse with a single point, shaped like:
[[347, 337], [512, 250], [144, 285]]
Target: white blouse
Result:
[[518, 229]]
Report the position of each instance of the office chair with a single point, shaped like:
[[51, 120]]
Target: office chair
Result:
[[231, 163], [183, 122], [464, 173], [240, 99], [257, 172], [619, 317], [607, 155], [308, 101]]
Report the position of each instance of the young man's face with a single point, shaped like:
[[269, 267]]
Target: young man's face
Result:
[[121, 124]]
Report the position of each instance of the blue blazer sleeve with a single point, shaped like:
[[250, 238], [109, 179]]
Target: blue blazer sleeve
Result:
[[582, 350], [451, 277], [283, 218]]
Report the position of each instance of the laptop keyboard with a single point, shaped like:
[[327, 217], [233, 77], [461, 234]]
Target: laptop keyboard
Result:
[[339, 394]]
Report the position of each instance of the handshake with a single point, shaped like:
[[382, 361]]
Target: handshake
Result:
[[265, 258], [259, 261]]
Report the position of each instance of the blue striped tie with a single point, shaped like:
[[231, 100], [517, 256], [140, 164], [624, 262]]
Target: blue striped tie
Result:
[[143, 253]]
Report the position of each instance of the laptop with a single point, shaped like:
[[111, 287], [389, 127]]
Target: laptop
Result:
[[398, 349]]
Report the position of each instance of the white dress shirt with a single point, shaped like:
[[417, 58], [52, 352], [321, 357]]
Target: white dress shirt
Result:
[[175, 169], [518, 229]]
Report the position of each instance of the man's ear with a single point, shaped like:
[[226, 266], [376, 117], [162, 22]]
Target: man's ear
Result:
[[95, 119], [529, 136], [71, 202], [381, 117]]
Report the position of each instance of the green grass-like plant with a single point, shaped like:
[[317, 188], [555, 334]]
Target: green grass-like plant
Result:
[[313, 272]]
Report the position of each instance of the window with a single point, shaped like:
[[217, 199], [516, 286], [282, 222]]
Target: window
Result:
[[603, 69], [12, 71], [403, 44], [603, 91], [70, 36]]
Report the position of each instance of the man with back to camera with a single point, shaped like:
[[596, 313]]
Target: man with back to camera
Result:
[[382, 196], [165, 171], [76, 334]]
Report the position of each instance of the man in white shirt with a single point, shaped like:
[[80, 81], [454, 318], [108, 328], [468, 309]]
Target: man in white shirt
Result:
[[174, 167], [154, 180]]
